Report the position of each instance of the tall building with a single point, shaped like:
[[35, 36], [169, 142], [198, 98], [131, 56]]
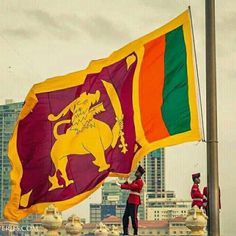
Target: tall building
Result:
[[154, 177], [159, 203], [8, 115]]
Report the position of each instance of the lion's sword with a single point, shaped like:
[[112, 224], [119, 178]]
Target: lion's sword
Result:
[[118, 112]]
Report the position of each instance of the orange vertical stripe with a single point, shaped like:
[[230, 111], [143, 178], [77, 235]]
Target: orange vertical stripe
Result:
[[151, 84]]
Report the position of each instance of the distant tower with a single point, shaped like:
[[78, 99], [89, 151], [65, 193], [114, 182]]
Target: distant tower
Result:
[[154, 177], [8, 116]]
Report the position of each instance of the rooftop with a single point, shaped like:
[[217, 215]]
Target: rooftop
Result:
[[111, 219]]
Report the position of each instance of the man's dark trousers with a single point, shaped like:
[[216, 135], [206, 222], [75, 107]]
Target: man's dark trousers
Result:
[[130, 210]]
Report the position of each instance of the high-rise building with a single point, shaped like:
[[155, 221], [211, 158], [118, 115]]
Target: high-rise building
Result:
[[154, 177], [160, 204], [8, 115]]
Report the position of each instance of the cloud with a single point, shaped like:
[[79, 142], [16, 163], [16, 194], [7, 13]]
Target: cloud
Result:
[[101, 28], [53, 25], [43, 17], [19, 33], [225, 41], [225, 26], [70, 26], [154, 5]]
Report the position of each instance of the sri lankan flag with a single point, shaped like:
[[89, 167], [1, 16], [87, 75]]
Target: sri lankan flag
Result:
[[76, 130]]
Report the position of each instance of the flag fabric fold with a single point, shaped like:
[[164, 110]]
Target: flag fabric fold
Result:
[[76, 130]]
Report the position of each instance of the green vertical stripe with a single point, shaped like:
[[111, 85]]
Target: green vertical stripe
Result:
[[175, 108]]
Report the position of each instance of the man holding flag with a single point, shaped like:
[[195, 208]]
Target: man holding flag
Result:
[[133, 201]]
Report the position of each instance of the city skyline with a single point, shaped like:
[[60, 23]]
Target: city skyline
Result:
[[157, 202], [42, 40]]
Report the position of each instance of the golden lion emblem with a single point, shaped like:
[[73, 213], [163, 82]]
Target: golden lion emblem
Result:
[[86, 133]]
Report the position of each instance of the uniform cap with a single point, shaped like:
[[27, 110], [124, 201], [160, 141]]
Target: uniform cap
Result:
[[197, 175], [140, 169]]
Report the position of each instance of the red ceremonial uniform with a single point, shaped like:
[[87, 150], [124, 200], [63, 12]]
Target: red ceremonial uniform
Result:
[[204, 201], [196, 196], [135, 188]]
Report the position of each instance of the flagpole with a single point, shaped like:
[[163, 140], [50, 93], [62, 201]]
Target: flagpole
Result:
[[211, 103]]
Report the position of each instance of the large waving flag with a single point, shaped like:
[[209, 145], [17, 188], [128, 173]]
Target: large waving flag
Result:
[[75, 130]]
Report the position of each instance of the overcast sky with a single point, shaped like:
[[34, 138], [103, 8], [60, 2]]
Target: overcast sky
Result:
[[42, 39]]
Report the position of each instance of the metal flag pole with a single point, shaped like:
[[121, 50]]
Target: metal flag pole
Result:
[[211, 103]]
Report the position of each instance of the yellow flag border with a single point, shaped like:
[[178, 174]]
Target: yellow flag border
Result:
[[61, 82]]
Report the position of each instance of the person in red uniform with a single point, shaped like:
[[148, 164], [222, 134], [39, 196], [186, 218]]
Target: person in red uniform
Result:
[[205, 200], [133, 201], [195, 191]]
